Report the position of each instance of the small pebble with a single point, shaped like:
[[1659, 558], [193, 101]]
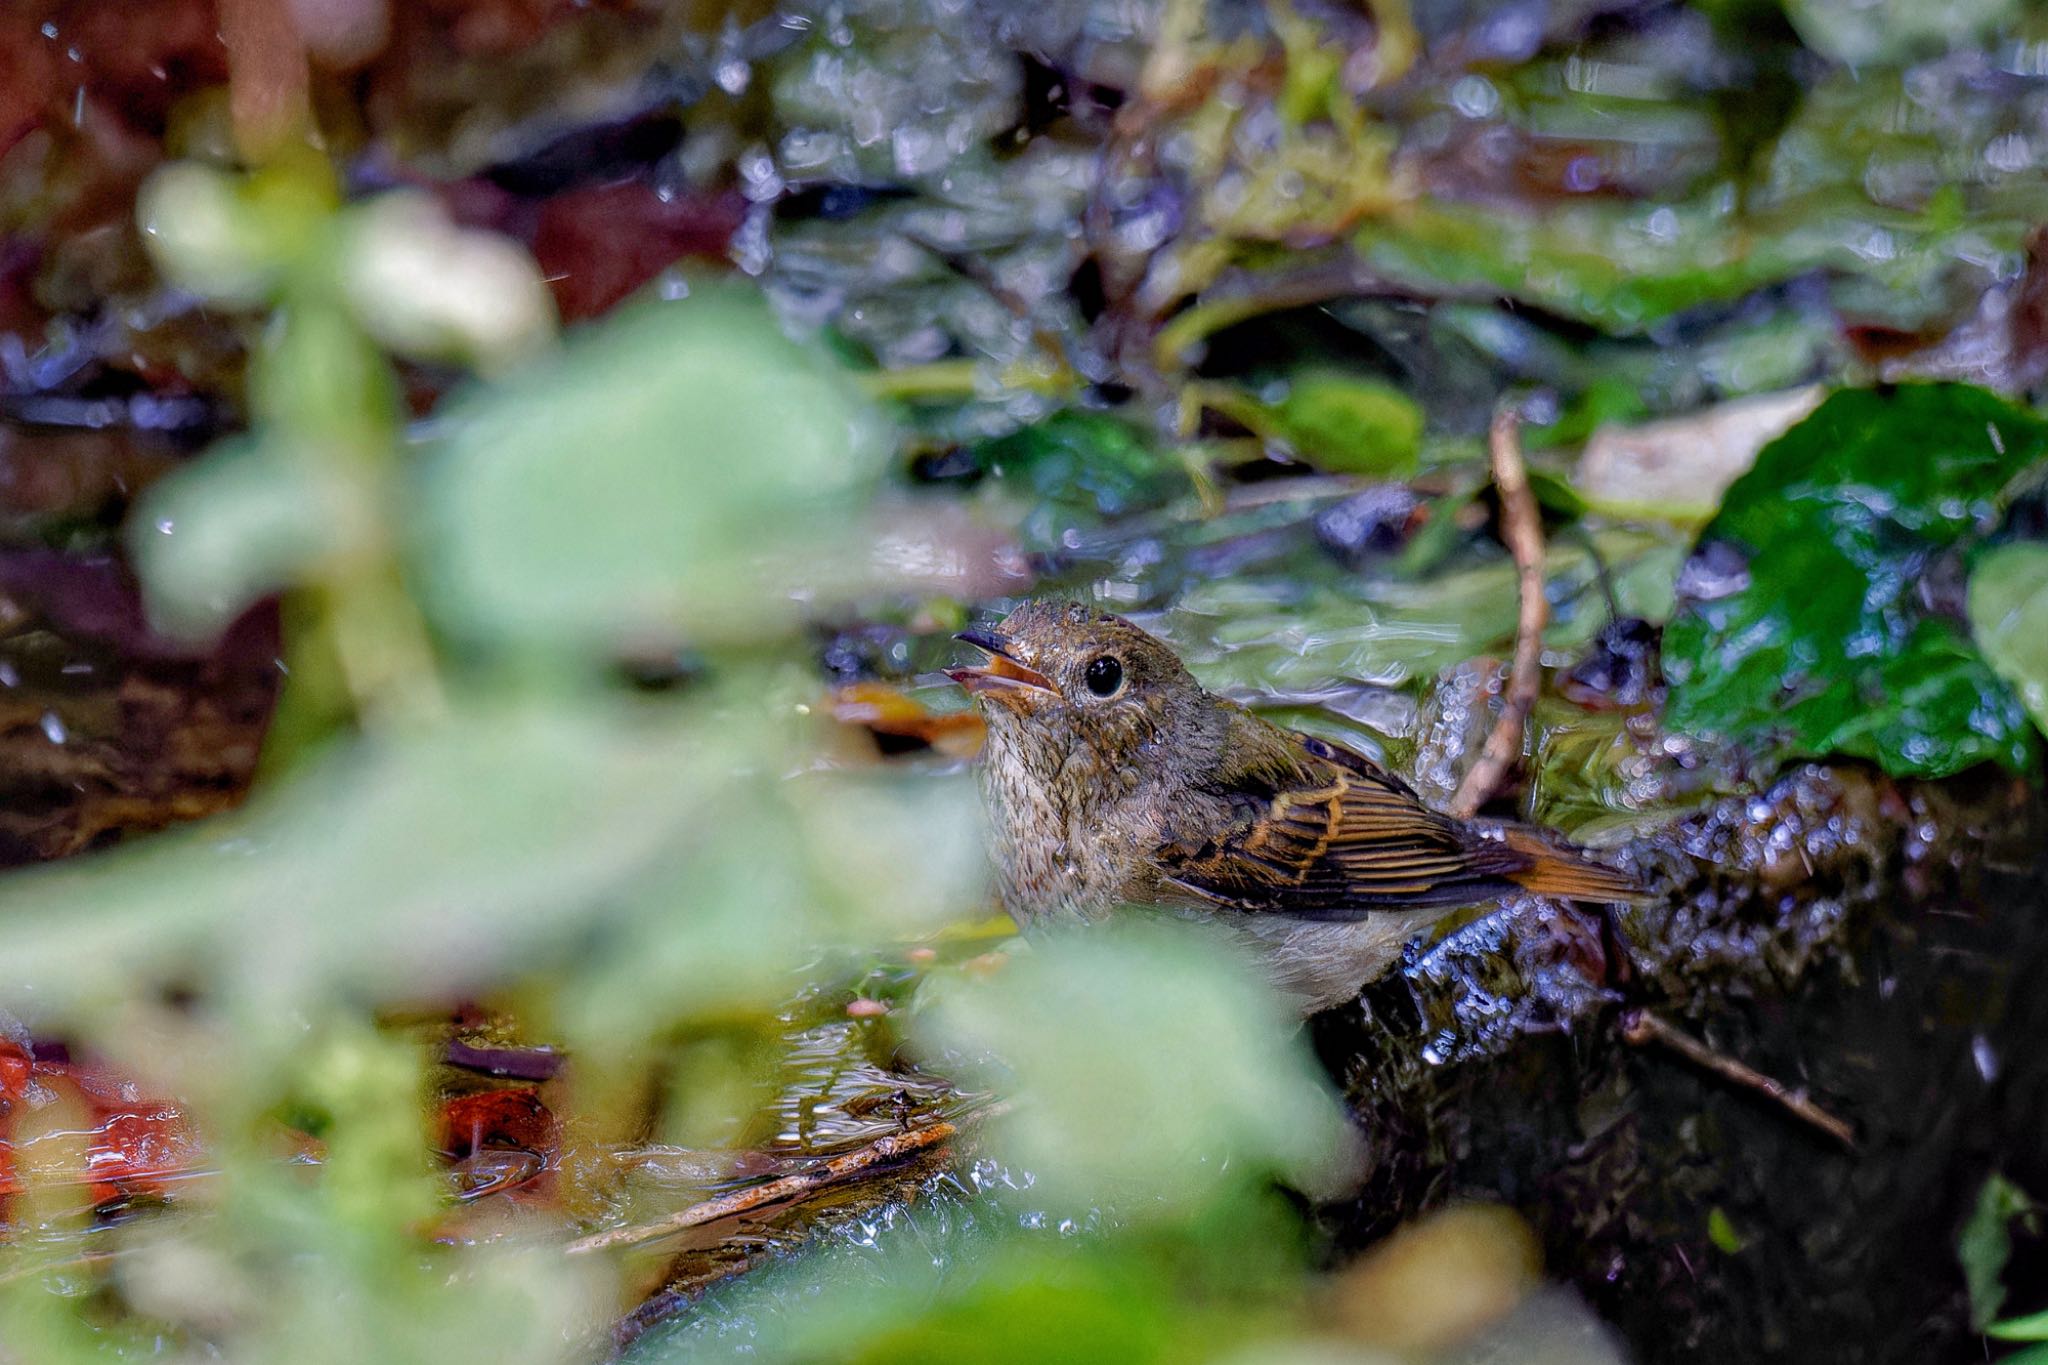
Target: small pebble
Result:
[[866, 1009]]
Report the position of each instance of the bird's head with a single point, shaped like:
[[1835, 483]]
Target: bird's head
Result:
[[1070, 689]]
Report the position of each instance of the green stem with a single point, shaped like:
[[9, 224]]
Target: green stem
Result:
[[382, 644], [963, 377]]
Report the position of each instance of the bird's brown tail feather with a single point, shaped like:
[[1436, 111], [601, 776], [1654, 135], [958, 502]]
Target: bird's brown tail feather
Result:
[[1554, 871]]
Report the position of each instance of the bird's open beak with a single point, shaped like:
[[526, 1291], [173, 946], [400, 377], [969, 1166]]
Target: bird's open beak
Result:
[[1002, 674]]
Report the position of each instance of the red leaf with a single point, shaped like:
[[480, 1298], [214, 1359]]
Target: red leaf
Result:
[[598, 245], [513, 1117]]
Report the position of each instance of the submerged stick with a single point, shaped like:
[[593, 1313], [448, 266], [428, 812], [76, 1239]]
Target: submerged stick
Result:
[[1641, 1027], [784, 1190], [1522, 528]]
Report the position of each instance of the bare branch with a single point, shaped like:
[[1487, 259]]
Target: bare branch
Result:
[[1522, 529], [1641, 1028], [784, 1190]]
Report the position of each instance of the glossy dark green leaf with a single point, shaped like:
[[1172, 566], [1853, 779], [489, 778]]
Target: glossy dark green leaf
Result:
[[1829, 642], [1087, 458]]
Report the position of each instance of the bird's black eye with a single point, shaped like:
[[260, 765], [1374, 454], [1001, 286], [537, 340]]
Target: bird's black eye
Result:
[[1104, 675]]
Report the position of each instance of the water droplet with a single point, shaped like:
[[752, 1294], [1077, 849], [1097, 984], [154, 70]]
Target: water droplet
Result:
[[53, 728], [1986, 1059], [1475, 97], [2009, 153]]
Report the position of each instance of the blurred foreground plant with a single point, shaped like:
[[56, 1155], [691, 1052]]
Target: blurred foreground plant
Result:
[[467, 802], [1152, 1092]]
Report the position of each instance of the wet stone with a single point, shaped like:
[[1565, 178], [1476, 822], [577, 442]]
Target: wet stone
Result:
[[1875, 978]]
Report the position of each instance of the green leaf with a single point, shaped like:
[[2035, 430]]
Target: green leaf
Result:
[[1860, 33], [946, 1282], [1145, 1062], [1555, 495], [1985, 1245], [2033, 1327], [1828, 645], [411, 861], [244, 522], [1625, 265], [435, 291], [205, 235], [450, 856], [1347, 425], [1090, 459], [2009, 617], [1609, 265], [683, 467]]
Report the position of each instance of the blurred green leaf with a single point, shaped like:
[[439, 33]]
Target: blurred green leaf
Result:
[[417, 860], [768, 874], [1603, 264], [682, 467], [1345, 424], [1398, 631], [2033, 1327], [2009, 619], [1984, 1247], [1827, 646], [1870, 32], [1049, 1311], [1555, 495], [209, 234], [445, 858], [969, 1279], [1625, 266], [1082, 459], [1146, 1065], [1721, 1232], [435, 291], [248, 520]]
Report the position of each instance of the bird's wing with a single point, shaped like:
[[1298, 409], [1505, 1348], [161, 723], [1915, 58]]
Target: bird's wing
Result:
[[1331, 837]]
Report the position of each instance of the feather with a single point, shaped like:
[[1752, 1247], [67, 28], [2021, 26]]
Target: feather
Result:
[[1315, 831]]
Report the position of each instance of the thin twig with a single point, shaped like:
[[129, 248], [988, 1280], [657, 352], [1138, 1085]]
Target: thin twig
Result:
[[1641, 1028], [836, 1171], [1522, 529]]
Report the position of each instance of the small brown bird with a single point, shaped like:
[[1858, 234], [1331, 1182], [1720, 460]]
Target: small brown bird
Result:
[[1113, 778]]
